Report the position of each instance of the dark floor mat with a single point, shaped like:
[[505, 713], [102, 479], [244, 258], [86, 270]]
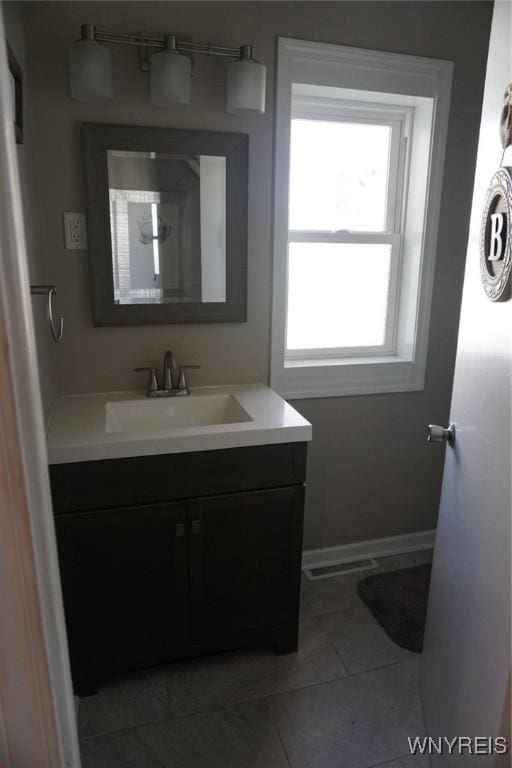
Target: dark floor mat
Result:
[[398, 600]]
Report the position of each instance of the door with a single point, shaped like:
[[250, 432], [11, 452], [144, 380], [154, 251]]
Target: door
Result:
[[124, 576], [245, 560], [466, 662], [37, 713]]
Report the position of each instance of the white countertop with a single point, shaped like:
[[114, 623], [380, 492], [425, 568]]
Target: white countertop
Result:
[[78, 426]]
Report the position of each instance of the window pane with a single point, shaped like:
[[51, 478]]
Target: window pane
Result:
[[337, 294], [338, 176]]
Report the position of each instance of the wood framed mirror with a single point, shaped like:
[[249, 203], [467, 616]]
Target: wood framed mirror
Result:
[[167, 224]]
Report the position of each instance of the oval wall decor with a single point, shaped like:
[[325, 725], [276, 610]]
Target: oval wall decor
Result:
[[506, 118], [495, 237]]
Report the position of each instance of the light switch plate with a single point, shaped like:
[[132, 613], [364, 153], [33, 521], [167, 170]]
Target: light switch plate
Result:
[[75, 232]]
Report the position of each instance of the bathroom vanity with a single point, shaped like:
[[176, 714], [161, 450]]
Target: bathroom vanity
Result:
[[181, 540]]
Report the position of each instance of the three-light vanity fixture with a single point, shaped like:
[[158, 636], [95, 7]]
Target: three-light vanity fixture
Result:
[[90, 65]]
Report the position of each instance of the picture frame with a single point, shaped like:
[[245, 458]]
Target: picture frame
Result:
[[16, 80]]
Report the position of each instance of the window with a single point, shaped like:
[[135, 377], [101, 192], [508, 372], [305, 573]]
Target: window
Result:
[[345, 212], [358, 168]]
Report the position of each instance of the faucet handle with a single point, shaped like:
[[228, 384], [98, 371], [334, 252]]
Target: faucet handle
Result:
[[182, 379], [153, 378]]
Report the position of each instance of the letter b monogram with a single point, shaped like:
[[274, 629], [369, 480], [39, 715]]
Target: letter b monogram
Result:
[[496, 242]]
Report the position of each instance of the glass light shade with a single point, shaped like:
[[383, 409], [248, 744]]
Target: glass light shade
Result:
[[171, 74], [246, 87], [90, 71]]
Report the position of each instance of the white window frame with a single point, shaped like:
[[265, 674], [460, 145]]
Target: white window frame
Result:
[[410, 91], [399, 120]]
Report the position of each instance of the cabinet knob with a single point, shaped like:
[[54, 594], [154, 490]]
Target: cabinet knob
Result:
[[196, 527]]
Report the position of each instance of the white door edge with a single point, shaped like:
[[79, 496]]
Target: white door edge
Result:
[[34, 662]]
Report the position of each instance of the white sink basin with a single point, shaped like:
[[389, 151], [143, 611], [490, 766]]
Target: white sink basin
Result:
[[117, 425], [161, 414]]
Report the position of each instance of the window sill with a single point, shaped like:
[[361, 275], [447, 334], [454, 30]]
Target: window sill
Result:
[[298, 379], [323, 362]]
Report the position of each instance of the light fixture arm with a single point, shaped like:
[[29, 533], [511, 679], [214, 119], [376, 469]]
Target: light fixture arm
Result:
[[89, 32]]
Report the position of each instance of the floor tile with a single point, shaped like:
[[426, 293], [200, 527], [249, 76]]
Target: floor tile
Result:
[[324, 596], [394, 764], [415, 761], [325, 719], [223, 679], [238, 737], [356, 722], [360, 641], [125, 703], [123, 749]]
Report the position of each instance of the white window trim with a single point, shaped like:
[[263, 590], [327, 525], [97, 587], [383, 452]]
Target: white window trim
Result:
[[414, 79]]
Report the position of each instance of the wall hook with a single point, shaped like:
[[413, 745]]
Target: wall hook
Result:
[[49, 291]]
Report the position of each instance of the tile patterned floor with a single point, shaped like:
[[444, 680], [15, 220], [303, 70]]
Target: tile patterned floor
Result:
[[348, 699]]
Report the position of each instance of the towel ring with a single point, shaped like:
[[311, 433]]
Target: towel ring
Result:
[[49, 291]]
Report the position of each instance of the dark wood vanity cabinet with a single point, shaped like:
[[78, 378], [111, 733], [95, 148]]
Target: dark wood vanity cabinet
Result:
[[243, 561], [119, 568], [202, 570]]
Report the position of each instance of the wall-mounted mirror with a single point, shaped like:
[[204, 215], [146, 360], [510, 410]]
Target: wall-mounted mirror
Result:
[[167, 224]]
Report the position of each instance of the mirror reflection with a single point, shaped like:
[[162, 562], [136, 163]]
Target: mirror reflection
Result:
[[168, 227]]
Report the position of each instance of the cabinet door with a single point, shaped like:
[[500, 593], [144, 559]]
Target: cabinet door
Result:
[[125, 580], [245, 557]]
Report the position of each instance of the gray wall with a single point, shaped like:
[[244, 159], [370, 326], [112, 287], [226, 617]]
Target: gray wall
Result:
[[370, 471], [36, 258]]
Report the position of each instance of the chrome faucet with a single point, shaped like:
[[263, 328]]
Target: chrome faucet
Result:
[[174, 381]]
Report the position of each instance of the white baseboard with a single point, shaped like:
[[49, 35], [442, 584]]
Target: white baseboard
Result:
[[347, 553]]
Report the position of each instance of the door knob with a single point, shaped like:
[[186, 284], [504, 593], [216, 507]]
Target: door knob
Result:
[[436, 434]]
